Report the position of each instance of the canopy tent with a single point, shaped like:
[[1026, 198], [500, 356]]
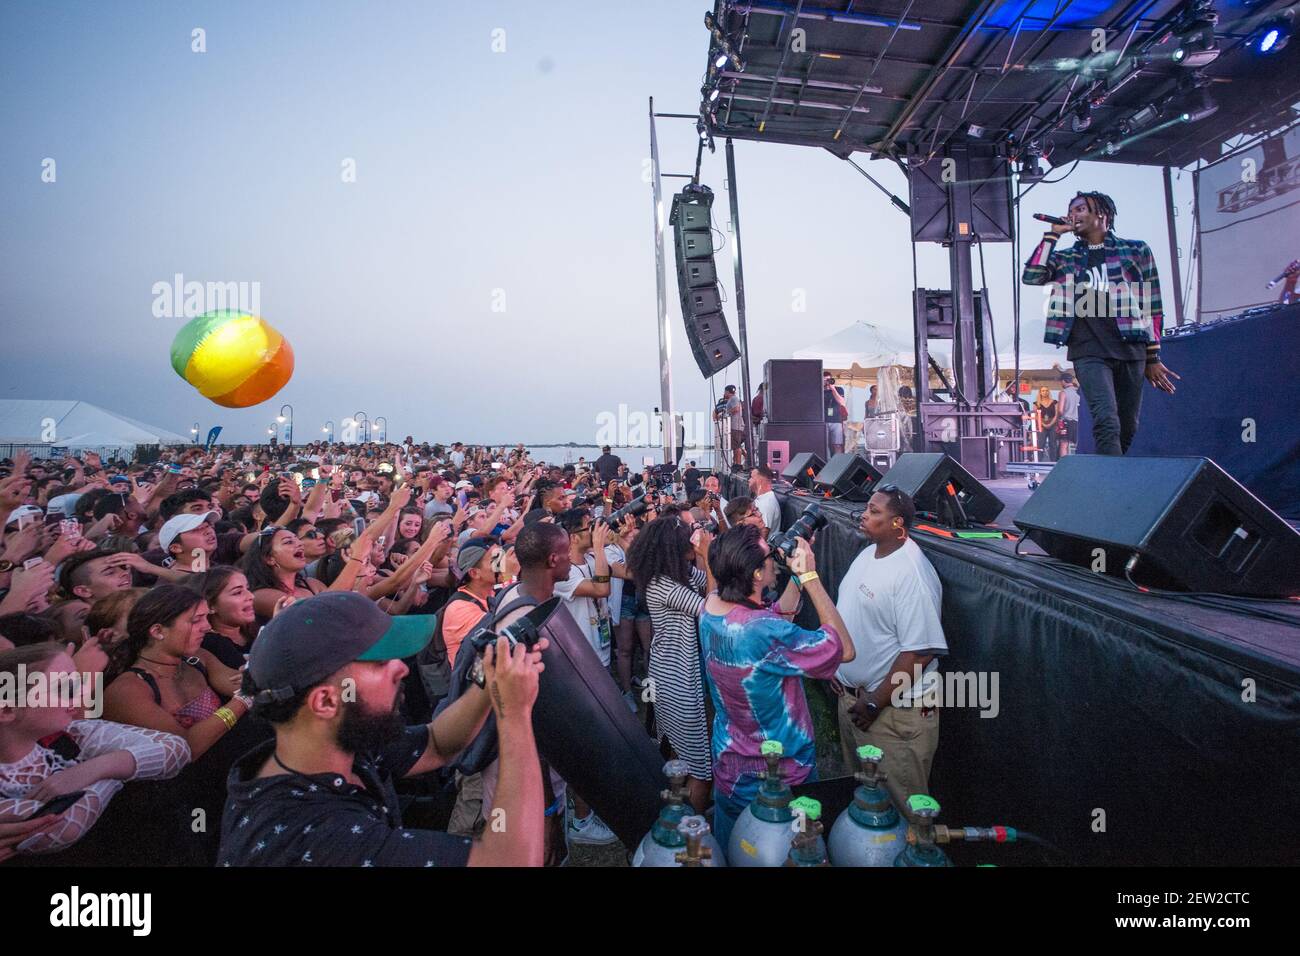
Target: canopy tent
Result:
[[62, 423], [856, 354]]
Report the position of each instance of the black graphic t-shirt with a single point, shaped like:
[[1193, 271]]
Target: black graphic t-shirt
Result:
[[1095, 333]]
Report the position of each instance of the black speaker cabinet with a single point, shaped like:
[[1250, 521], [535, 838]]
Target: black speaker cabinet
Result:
[[803, 468], [925, 476], [794, 390], [1189, 524], [700, 300], [697, 273], [801, 437], [849, 476], [711, 342]]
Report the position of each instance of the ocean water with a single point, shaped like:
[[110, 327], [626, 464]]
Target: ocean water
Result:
[[634, 458]]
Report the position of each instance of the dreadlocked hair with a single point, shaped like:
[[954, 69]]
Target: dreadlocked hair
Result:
[[1101, 205]]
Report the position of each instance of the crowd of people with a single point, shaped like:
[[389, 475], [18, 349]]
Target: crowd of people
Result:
[[287, 656]]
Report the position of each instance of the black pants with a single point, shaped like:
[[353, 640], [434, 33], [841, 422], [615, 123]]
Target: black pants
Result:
[[1113, 391]]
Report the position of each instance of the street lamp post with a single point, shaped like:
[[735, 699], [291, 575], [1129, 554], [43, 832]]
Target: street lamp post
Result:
[[383, 435], [359, 418], [280, 419], [329, 430], [195, 432]]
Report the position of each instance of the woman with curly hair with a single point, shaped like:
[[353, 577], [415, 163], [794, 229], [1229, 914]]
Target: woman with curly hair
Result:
[[672, 588]]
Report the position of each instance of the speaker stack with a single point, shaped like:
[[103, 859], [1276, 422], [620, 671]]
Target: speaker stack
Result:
[[1183, 523], [796, 422], [697, 281]]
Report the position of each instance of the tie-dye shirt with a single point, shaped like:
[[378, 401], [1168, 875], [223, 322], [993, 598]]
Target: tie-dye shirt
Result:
[[754, 660]]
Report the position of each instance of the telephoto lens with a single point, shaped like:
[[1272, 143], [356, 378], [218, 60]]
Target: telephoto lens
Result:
[[784, 542], [523, 631], [634, 508]]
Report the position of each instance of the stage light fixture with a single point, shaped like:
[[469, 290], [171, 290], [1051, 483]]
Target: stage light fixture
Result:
[[976, 132], [1271, 36], [1204, 110], [721, 59], [1197, 44], [1082, 118]]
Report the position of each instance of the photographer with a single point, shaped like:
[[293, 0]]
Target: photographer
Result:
[[669, 585], [755, 658], [327, 674]]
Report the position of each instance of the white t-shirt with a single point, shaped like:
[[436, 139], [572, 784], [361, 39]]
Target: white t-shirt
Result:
[[770, 509], [583, 609], [458, 459], [890, 605]]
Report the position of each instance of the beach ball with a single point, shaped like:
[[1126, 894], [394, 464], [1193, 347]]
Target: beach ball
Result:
[[233, 358]]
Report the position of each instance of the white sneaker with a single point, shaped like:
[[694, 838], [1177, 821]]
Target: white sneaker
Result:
[[589, 829], [630, 699]]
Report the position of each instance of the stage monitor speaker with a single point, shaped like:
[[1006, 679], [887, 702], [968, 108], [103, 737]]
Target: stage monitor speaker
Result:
[[848, 476], [711, 342], [803, 469], [1189, 525], [794, 390], [925, 476], [802, 436]]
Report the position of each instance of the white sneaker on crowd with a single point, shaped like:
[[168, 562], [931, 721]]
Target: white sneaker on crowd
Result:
[[630, 698], [589, 829]]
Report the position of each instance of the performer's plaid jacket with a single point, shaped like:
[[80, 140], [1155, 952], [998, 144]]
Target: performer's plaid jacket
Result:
[[1134, 287]]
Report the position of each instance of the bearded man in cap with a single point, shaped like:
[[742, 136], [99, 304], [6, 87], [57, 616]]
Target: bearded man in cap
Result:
[[327, 673]]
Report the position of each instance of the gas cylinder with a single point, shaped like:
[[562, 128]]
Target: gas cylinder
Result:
[[807, 848], [921, 849], [762, 834], [870, 832], [666, 840]]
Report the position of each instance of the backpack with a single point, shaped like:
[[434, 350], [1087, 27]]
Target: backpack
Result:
[[433, 663], [483, 749]]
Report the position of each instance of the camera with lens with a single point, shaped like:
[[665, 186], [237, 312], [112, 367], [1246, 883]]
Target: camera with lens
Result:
[[634, 508], [710, 525], [523, 631], [783, 543]]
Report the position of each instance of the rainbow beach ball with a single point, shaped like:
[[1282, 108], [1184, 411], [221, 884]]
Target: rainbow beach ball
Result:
[[233, 358]]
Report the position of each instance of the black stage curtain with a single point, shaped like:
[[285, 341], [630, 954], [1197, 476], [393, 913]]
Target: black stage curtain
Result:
[[1231, 371], [1122, 734]]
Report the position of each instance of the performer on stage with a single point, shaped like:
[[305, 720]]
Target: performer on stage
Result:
[[1105, 307]]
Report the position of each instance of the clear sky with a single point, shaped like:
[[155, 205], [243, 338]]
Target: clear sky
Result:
[[483, 179]]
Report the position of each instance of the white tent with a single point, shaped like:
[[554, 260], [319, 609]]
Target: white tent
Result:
[[871, 347], [63, 423]]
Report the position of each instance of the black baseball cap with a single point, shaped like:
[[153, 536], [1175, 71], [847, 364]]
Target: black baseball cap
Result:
[[312, 639]]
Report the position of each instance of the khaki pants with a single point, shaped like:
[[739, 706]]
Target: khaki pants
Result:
[[906, 735], [469, 805]]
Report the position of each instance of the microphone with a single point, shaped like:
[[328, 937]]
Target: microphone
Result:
[[1054, 220], [1286, 273]]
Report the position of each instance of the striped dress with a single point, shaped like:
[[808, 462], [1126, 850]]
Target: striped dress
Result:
[[675, 669]]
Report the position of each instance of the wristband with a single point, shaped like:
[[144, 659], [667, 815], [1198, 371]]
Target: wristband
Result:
[[806, 577], [227, 717]]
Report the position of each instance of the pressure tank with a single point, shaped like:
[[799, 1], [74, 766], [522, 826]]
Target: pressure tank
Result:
[[871, 832], [921, 849], [666, 841], [808, 847], [762, 834]]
